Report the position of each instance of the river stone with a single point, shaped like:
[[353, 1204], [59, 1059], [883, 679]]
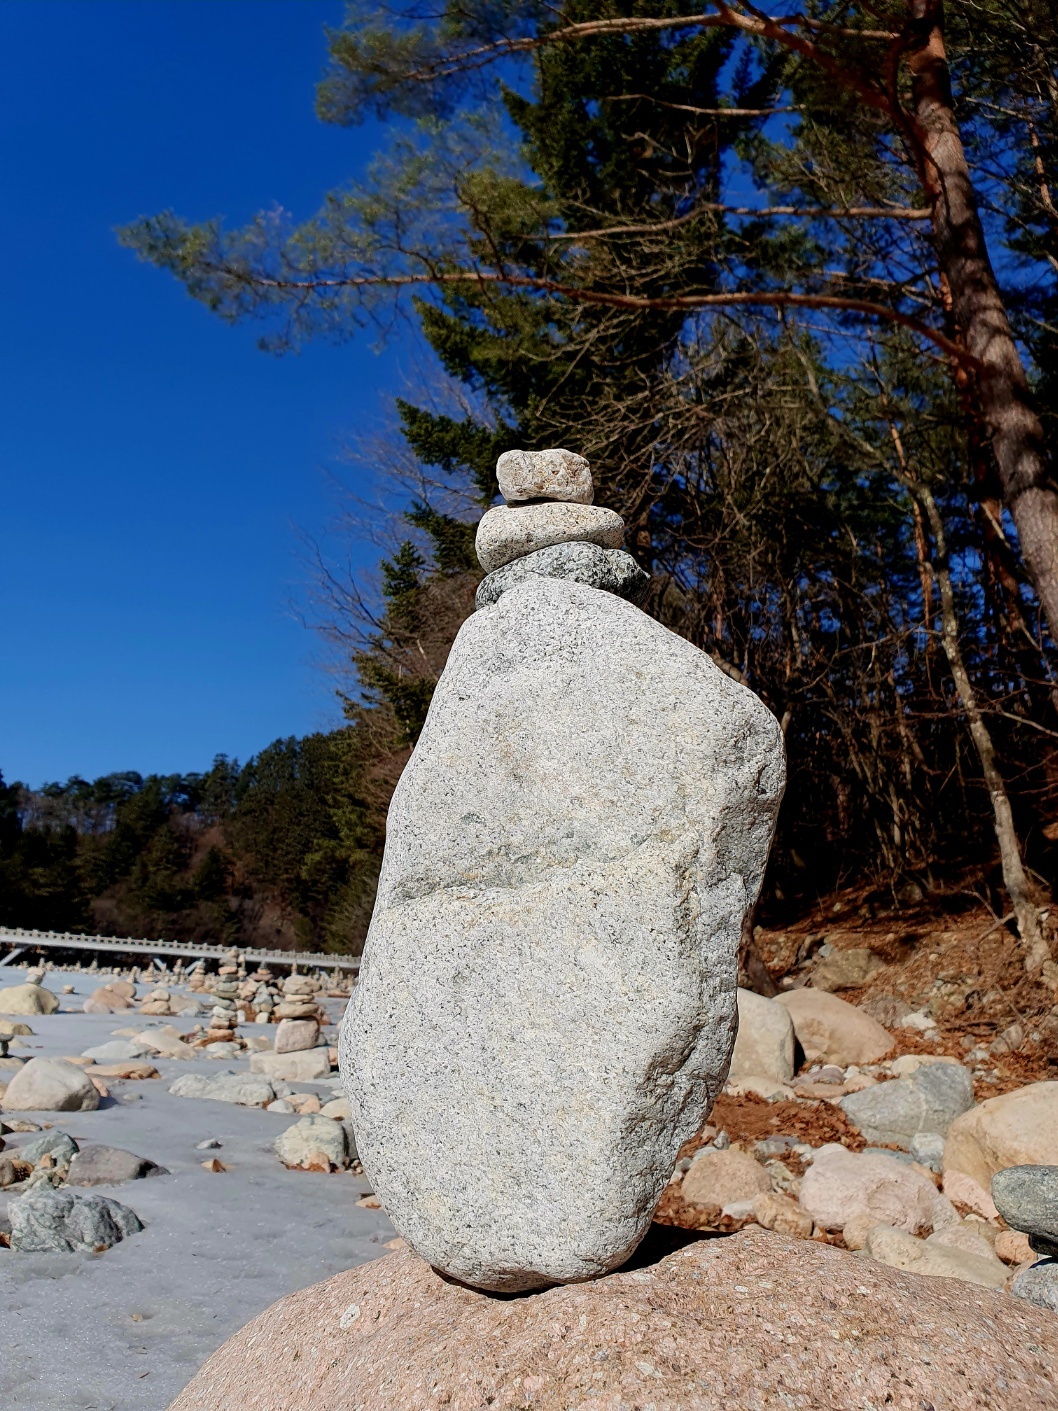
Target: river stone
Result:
[[894, 1113], [51, 1085], [245, 1089], [109, 1166], [57, 1144], [546, 1004], [544, 475], [316, 1143], [765, 1044], [1039, 1284], [28, 999], [612, 570], [50, 1221], [511, 531], [1027, 1199]]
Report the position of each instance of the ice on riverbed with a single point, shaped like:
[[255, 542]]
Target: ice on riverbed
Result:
[[125, 1330]]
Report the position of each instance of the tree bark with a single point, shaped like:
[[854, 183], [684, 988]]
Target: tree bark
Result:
[[1029, 489]]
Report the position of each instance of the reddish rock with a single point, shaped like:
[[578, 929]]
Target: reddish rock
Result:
[[755, 1320]]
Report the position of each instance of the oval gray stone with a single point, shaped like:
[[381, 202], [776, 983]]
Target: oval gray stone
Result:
[[612, 570], [1027, 1199], [1038, 1284], [546, 1005]]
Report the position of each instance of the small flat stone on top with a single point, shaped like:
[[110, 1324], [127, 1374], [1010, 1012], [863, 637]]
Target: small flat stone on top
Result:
[[544, 475]]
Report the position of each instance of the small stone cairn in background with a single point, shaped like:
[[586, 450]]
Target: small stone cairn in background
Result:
[[550, 527], [224, 1018], [298, 1014]]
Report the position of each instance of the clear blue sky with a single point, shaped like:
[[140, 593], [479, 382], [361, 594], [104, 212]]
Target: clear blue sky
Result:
[[154, 465]]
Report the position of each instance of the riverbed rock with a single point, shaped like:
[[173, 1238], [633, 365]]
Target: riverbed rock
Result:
[[50, 1085], [846, 969], [28, 999], [50, 1221], [611, 570], [301, 1067], [841, 1184], [1027, 1199], [695, 1331], [510, 531], [1038, 1285], [107, 999], [1018, 1128], [245, 1089], [57, 1144], [719, 1178], [901, 1250], [764, 1047], [553, 474], [316, 1143], [296, 1035], [110, 1165], [116, 1051], [547, 996], [894, 1113], [832, 1031]]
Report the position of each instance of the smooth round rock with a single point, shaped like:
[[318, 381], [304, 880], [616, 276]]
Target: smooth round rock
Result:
[[611, 570], [544, 475], [511, 531]]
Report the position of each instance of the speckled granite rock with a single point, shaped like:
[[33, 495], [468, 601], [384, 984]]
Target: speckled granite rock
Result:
[[509, 531], [755, 1320], [546, 1004], [1027, 1199], [612, 570]]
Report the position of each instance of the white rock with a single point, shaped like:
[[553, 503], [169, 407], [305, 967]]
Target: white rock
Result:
[[244, 1089], [508, 532], [116, 1051], [841, 1184], [50, 1085], [1018, 1128], [300, 1067], [767, 1088], [547, 996], [544, 475], [764, 1047], [832, 1031], [316, 1142]]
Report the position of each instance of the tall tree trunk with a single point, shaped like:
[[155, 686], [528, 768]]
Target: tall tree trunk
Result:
[[1029, 489]]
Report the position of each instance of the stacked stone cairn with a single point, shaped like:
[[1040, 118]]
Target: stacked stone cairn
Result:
[[550, 527], [1027, 1199], [547, 1003], [299, 1015], [224, 1018]]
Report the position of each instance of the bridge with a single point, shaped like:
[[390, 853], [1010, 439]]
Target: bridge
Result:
[[23, 941]]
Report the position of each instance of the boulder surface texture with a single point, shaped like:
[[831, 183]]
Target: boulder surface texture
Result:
[[757, 1320], [610, 569], [546, 1004]]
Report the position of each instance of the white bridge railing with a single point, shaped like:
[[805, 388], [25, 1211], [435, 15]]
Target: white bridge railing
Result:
[[22, 940]]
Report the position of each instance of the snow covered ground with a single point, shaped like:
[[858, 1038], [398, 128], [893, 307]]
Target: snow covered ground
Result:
[[125, 1330]]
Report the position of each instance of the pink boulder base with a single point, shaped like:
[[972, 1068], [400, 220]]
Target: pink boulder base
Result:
[[753, 1320]]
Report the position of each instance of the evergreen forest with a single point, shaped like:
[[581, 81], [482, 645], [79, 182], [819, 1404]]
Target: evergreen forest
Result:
[[790, 283]]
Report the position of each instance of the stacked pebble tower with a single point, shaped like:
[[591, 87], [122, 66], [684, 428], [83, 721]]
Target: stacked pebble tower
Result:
[[224, 1020], [298, 1013], [549, 527]]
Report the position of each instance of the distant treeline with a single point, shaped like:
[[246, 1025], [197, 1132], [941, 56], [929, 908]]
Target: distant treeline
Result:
[[268, 853]]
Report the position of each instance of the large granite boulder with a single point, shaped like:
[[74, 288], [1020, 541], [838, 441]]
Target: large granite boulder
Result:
[[546, 1004], [757, 1320]]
